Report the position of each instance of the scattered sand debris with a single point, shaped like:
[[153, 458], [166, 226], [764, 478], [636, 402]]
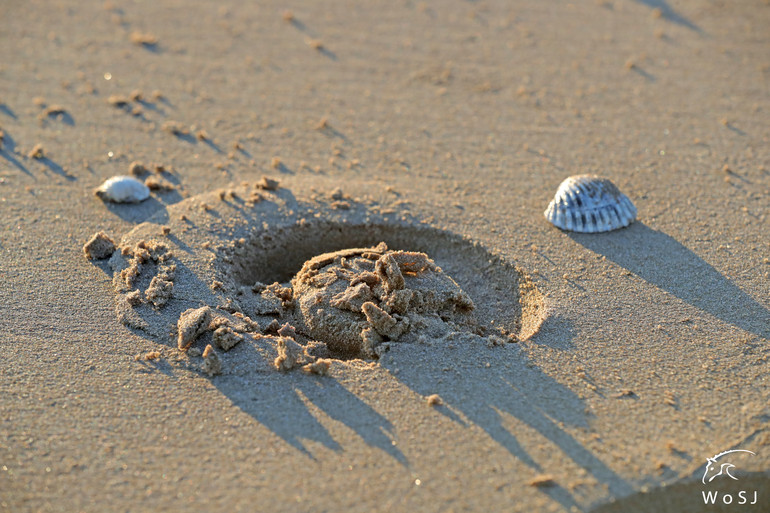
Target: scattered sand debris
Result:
[[136, 95], [137, 169], [192, 323], [143, 39], [226, 338], [289, 354], [202, 135], [37, 152], [175, 128], [542, 481], [118, 100], [434, 400], [287, 16], [356, 299], [99, 246], [140, 254], [320, 367], [212, 365], [315, 44]]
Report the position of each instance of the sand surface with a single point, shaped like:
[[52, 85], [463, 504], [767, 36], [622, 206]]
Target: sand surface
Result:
[[455, 119]]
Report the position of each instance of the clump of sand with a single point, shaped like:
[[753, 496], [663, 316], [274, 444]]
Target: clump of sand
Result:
[[99, 247], [212, 365], [192, 323], [144, 274], [356, 299]]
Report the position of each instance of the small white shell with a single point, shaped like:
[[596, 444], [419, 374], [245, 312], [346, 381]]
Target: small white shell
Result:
[[589, 204], [123, 189]]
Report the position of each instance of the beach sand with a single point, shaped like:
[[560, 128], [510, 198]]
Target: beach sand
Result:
[[437, 127]]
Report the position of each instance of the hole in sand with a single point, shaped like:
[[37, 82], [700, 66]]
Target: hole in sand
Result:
[[257, 294], [468, 292]]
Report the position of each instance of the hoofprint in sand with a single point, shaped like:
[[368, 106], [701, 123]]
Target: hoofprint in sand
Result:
[[266, 281]]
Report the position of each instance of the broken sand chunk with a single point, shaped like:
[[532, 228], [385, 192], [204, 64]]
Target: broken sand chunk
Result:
[[370, 340], [382, 322], [192, 323], [289, 354], [411, 261], [99, 246], [434, 400], [319, 367], [152, 355], [354, 299], [159, 291], [225, 338], [390, 273], [212, 365], [287, 330], [542, 481], [37, 152], [134, 297], [143, 38]]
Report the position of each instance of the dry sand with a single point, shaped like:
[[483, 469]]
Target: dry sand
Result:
[[435, 127]]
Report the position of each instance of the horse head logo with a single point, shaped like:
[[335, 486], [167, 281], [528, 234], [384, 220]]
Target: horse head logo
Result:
[[716, 469]]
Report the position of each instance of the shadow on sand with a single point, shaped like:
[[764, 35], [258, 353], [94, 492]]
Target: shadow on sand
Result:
[[472, 393], [662, 261], [667, 12]]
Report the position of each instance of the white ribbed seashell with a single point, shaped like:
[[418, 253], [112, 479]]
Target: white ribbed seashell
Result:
[[123, 189], [589, 204]]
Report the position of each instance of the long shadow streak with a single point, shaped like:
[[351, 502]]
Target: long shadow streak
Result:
[[662, 261], [509, 387], [668, 13]]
